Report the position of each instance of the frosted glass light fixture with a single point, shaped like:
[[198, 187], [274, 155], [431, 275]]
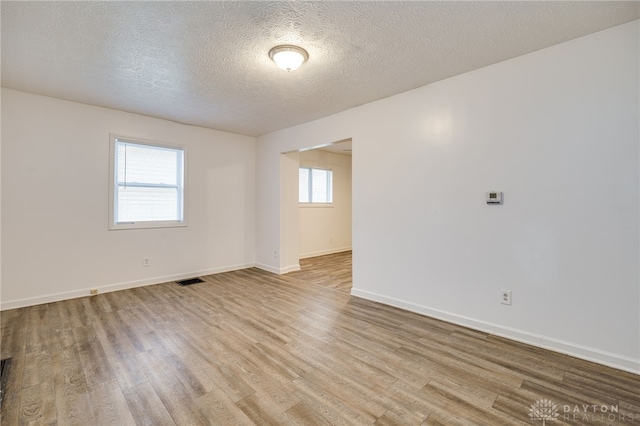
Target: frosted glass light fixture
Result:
[[288, 57]]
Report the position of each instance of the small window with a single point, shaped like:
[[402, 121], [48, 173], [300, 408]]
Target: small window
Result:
[[147, 185], [316, 186]]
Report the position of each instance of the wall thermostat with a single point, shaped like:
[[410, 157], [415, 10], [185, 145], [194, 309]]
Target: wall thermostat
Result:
[[494, 197]]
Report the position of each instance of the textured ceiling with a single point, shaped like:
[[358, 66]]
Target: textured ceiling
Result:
[[207, 63]]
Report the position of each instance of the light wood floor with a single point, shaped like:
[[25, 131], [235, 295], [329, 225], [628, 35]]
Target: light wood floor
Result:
[[250, 347]]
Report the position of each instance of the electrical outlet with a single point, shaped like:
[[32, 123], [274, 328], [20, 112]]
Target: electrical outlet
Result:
[[146, 262], [505, 297], [94, 291], [275, 253]]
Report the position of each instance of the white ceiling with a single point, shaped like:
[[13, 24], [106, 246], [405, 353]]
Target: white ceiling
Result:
[[207, 63]]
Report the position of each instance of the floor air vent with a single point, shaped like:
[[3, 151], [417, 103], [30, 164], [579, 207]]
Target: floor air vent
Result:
[[4, 374], [190, 281]]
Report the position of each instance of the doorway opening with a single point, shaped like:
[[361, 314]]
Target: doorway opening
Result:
[[320, 232]]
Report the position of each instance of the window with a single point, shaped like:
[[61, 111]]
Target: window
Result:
[[316, 186], [146, 185]]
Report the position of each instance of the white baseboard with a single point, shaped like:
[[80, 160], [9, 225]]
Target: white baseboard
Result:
[[268, 268], [290, 268], [55, 297], [325, 252], [620, 362], [279, 271]]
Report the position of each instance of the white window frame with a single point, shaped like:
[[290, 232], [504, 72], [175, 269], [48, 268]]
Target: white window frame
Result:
[[312, 203], [113, 225]]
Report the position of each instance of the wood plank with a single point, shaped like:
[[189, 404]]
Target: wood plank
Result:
[[119, 353], [13, 346], [327, 405], [173, 394], [109, 405], [260, 412], [73, 405], [146, 407], [37, 405], [303, 414], [218, 409], [94, 361]]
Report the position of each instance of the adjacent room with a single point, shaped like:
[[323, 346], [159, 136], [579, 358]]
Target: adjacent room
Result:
[[346, 213]]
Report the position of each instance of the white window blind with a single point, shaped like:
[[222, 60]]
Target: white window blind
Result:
[[304, 192], [315, 185], [148, 184]]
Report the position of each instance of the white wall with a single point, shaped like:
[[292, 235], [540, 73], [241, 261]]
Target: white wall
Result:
[[0, 205], [55, 168], [289, 219], [327, 229], [558, 132]]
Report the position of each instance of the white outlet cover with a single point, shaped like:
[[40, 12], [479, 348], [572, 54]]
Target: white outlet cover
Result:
[[505, 297]]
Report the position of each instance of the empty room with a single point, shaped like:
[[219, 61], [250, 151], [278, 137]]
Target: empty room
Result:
[[320, 213]]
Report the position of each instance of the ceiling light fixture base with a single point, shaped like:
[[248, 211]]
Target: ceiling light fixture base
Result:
[[288, 57]]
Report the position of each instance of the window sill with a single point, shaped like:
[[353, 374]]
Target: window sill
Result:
[[316, 205], [145, 225]]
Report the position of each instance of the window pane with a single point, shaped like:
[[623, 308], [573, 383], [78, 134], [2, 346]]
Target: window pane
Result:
[[319, 186], [148, 183], [137, 204], [315, 185], [147, 164], [303, 195]]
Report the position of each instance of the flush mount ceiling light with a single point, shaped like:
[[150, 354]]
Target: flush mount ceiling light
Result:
[[288, 57]]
